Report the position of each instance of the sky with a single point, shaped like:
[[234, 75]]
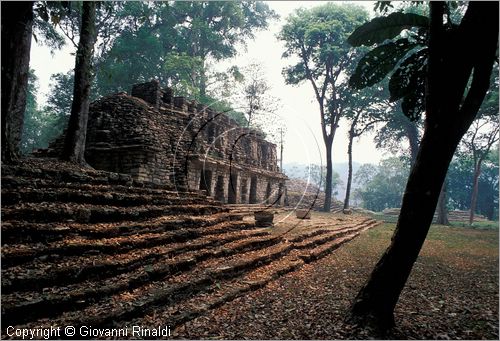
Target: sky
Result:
[[298, 109]]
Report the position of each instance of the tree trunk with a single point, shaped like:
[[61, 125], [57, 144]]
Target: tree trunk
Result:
[[203, 80], [475, 185], [329, 172], [377, 299], [74, 146], [442, 212], [448, 116], [349, 174], [412, 135], [17, 25]]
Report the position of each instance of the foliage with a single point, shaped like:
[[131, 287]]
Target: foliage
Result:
[[174, 43], [317, 39], [317, 175], [395, 132], [387, 27], [459, 190], [383, 186], [214, 29], [60, 94], [40, 126], [476, 144], [47, 15], [366, 108], [406, 58], [169, 41], [255, 98]]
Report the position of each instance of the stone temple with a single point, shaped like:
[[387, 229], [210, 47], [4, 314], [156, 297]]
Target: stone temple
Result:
[[156, 137]]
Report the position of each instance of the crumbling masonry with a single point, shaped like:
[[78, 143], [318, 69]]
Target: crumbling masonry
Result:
[[163, 139]]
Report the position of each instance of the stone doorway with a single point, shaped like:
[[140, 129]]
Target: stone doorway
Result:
[[244, 191], [206, 181], [253, 190], [268, 193], [219, 189], [232, 190]]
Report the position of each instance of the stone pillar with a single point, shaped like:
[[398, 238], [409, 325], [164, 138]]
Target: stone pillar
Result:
[[213, 180], [221, 187], [194, 175]]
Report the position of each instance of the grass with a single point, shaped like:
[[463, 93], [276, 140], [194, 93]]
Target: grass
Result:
[[483, 225], [453, 237]]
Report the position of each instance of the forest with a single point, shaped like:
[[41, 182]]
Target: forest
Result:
[[134, 181]]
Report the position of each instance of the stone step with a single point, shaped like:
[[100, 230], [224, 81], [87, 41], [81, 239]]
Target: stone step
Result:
[[13, 184], [302, 236], [65, 195], [330, 235], [325, 228], [13, 176], [15, 232], [65, 172], [15, 254], [87, 213], [215, 281], [20, 307], [172, 288], [221, 292], [49, 270], [327, 248]]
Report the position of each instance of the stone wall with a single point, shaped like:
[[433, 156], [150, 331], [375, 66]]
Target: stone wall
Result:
[[159, 138]]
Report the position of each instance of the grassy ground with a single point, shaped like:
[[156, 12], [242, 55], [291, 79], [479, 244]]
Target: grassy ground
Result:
[[451, 293], [485, 225], [488, 224]]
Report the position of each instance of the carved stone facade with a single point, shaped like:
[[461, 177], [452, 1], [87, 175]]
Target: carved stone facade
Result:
[[163, 139]]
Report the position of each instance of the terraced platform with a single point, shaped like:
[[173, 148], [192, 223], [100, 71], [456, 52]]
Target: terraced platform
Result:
[[84, 247]]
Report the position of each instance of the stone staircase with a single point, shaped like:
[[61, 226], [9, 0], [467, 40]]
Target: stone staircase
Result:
[[85, 247]]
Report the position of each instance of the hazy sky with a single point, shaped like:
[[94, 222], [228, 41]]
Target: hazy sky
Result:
[[298, 107]]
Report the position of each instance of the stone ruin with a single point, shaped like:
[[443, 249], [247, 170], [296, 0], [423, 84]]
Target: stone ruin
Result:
[[156, 137]]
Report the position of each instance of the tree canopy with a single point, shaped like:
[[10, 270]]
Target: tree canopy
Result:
[[317, 39]]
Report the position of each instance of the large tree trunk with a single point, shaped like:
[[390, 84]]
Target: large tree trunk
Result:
[[442, 212], [17, 24], [329, 172], [74, 146], [349, 173], [475, 185], [378, 297], [450, 66]]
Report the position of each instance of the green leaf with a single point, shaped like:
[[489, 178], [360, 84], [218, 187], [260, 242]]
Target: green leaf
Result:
[[413, 104], [379, 29], [409, 74], [377, 63]]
